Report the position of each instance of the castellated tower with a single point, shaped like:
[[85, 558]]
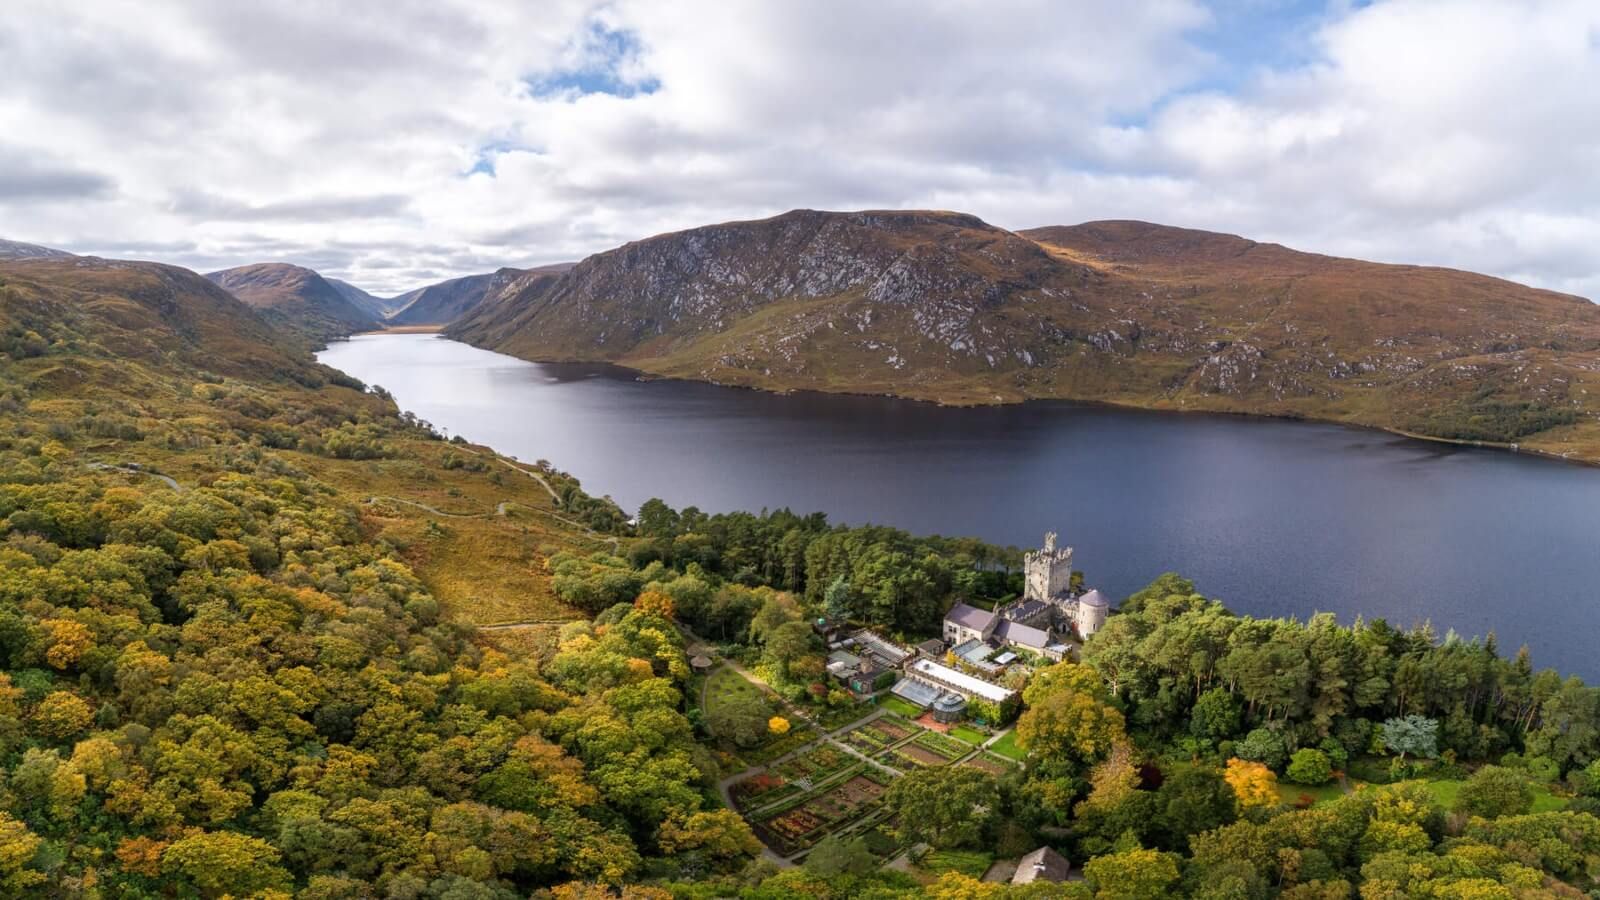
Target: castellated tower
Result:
[[1047, 573]]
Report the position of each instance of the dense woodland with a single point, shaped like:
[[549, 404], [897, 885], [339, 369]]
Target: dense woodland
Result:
[[241, 685]]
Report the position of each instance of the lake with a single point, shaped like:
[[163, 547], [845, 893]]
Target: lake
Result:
[[1274, 518]]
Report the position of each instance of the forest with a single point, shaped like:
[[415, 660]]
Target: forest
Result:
[[240, 610]]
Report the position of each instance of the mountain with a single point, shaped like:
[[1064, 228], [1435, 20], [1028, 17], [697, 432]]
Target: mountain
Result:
[[943, 306], [442, 303], [376, 307], [297, 300], [19, 250]]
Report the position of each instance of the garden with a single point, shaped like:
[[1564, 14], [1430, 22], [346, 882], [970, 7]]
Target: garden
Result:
[[797, 825]]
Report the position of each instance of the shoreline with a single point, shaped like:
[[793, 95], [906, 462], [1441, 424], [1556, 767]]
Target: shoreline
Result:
[[646, 375], [403, 329]]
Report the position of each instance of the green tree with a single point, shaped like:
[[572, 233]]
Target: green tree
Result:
[[943, 807], [837, 855], [1494, 791], [1215, 716], [1309, 766], [1265, 746]]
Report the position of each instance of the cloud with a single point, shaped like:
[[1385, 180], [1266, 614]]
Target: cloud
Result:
[[29, 177], [394, 141]]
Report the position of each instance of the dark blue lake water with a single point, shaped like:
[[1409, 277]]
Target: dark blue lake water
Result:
[[1274, 518]]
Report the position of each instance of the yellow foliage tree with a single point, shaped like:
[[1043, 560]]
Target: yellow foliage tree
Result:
[[17, 848], [1253, 783], [654, 603], [778, 725], [62, 714], [69, 640]]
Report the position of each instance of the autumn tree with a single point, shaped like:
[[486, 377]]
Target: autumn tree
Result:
[[1253, 784]]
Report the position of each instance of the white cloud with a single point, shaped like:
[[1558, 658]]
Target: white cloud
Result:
[[396, 142]]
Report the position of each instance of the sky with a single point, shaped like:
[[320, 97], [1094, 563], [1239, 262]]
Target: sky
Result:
[[393, 143]]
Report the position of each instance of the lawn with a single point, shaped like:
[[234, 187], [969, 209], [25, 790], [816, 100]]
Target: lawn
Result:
[[970, 735], [1007, 747], [1290, 793], [967, 862], [725, 684], [1446, 790], [897, 705]]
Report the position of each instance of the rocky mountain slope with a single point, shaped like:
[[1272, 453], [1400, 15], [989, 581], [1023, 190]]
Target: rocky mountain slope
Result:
[[943, 306], [447, 301], [297, 299], [19, 250]]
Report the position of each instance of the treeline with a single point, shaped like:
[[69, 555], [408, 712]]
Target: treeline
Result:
[[1185, 669], [1492, 421], [881, 576]]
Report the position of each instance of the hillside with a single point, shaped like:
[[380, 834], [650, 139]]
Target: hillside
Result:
[[447, 301], [19, 250], [237, 593], [297, 300], [942, 306], [374, 306]]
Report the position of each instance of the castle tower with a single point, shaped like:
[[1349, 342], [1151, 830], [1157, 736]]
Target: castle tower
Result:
[[1047, 573], [1093, 608]]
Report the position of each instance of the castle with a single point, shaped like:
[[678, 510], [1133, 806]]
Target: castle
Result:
[[1048, 613]]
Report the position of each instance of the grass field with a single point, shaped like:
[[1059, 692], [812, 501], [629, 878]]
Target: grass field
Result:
[[970, 735], [897, 705], [1447, 790], [1007, 747], [724, 685], [1322, 793]]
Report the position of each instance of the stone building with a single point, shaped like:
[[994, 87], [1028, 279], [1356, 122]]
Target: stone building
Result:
[[1046, 616]]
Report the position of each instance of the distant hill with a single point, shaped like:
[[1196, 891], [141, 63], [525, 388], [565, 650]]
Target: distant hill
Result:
[[377, 307], [447, 301], [119, 311], [298, 300], [19, 250], [943, 306]]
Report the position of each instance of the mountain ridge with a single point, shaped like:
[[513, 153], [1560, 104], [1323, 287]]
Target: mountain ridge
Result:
[[21, 250], [943, 306]]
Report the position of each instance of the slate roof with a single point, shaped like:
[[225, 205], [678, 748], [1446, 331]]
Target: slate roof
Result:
[[1094, 598], [1023, 635], [1027, 609], [1042, 864], [969, 617]]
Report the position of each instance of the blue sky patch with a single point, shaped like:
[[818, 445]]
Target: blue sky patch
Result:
[[605, 58]]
